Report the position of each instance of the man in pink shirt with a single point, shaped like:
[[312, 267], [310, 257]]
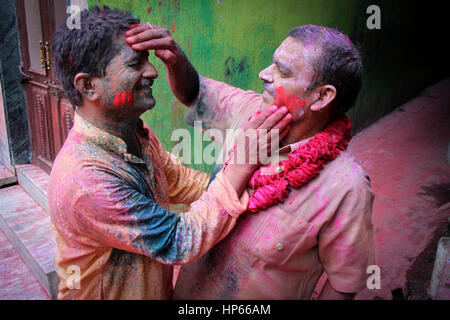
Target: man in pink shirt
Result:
[[304, 228], [112, 182]]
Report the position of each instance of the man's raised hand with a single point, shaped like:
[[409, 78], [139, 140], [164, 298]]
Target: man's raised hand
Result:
[[143, 37]]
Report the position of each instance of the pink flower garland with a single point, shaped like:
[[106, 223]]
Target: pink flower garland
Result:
[[304, 164]]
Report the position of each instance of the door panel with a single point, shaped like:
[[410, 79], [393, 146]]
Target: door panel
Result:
[[62, 114], [66, 116], [35, 34], [50, 114], [41, 135]]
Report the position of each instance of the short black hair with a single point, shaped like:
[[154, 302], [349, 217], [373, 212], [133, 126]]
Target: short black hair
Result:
[[339, 64], [89, 48]]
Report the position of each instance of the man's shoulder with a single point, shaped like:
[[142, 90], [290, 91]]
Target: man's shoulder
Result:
[[345, 173], [78, 161]]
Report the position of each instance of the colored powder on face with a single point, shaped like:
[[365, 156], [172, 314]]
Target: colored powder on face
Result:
[[117, 100], [130, 98], [293, 103], [123, 98]]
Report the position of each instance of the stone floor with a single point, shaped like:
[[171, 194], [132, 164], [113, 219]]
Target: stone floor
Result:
[[6, 176], [404, 153], [16, 280]]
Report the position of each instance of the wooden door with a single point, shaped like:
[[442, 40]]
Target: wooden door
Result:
[[50, 114]]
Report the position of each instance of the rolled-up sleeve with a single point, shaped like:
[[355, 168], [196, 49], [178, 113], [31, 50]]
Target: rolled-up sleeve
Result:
[[346, 243], [114, 214]]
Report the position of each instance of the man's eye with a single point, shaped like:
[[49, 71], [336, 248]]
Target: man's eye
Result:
[[133, 63], [283, 73]]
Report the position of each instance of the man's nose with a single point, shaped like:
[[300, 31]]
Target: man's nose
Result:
[[150, 71], [266, 75]]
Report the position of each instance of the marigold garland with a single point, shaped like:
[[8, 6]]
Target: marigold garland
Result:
[[304, 164]]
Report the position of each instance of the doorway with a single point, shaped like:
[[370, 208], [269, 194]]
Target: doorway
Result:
[[50, 113]]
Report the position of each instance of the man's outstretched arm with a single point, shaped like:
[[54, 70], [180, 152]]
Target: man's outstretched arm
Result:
[[212, 103], [182, 77]]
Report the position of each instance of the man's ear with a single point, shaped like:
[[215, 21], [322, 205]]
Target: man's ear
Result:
[[327, 94], [84, 84]]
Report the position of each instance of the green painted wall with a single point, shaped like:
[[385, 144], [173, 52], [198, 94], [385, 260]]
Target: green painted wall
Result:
[[233, 40]]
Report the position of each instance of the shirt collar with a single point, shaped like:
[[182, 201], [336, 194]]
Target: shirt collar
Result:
[[107, 141]]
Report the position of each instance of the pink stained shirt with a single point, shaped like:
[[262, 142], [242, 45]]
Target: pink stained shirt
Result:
[[281, 252], [109, 211]]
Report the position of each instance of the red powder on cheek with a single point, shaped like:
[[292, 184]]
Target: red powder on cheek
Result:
[[129, 98], [117, 100], [123, 98], [293, 103]]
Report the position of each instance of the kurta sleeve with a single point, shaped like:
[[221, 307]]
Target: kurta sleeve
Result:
[[185, 184], [346, 243], [116, 215]]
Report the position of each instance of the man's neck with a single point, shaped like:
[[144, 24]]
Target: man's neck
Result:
[[124, 128], [302, 131]]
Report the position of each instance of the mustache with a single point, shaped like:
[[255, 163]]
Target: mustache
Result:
[[145, 83], [269, 88]]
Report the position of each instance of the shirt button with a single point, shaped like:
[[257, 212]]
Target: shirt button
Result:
[[279, 246]]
